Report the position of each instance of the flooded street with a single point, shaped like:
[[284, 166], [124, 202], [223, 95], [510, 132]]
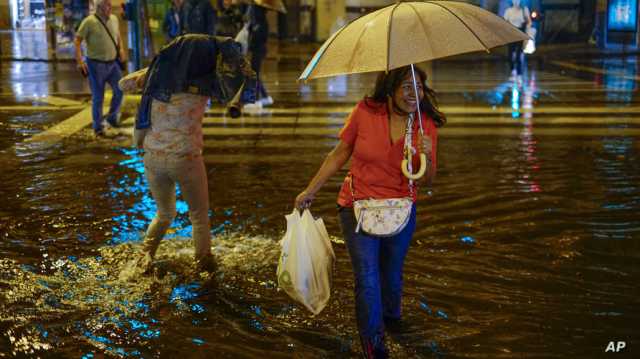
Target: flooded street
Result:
[[527, 245]]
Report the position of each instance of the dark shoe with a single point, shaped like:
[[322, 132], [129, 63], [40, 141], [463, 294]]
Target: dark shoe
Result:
[[374, 348], [113, 124], [99, 134]]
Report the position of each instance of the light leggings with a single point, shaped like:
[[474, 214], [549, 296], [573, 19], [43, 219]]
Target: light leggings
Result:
[[189, 172]]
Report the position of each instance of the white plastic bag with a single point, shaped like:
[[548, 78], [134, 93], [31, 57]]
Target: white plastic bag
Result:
[[306, 261], [243, 38], [530, 44]]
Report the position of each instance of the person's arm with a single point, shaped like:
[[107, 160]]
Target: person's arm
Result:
[[134, 81], [332, 164], [527, 15], [123, 52], [82, 66]]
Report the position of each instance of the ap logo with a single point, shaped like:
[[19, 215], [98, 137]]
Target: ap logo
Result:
[[615, 347]]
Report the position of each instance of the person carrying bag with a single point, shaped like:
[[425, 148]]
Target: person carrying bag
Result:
[[100, 64], [376, 203], [121, 64]]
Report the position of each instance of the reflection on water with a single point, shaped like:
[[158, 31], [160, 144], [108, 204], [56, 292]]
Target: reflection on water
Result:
[[619, 80]]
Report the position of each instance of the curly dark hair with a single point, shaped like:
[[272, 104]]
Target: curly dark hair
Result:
[[387, 83]]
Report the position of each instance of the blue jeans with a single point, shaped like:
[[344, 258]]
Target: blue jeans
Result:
[[101, 73], [377, 266]]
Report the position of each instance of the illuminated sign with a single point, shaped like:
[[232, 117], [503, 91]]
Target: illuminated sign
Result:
[[622, 15]]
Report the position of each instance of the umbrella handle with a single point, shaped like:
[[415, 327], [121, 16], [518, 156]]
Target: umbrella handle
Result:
[[423, 167]]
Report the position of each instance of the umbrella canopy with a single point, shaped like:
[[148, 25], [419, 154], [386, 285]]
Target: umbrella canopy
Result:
[[277, 5], [408, 33]]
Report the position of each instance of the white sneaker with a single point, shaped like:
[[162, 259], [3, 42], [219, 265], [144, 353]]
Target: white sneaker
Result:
[[266, 101], [253, 106]]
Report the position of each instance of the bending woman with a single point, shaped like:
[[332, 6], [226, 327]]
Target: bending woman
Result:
[[176, 89]]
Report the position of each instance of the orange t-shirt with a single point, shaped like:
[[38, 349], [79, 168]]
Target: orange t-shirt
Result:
[[375, 161]]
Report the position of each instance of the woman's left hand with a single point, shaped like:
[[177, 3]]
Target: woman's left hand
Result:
[[426, 145]]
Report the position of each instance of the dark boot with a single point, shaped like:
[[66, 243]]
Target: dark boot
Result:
[[374, 348]]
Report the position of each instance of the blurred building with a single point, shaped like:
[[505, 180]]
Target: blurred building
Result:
[[608, 23]]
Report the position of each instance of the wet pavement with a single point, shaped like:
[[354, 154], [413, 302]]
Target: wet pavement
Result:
[[528, 245]]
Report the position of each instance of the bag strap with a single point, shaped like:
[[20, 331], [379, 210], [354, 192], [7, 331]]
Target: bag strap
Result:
[[110, 36], [408, 146]]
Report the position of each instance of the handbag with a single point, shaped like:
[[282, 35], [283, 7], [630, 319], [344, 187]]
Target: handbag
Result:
[[384, 217], [120, 63]]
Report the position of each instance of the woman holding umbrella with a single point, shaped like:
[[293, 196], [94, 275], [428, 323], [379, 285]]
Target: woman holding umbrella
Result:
[[375, 138], [381, 177]]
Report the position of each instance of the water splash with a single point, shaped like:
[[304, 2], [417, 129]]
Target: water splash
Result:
[[87, 301]]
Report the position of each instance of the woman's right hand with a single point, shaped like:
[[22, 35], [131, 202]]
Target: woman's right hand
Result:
[[138, 137], [426, 145], [303, 200]]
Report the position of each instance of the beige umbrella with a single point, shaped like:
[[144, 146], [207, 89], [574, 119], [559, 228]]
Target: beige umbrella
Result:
[[277, 5], [407, 33]]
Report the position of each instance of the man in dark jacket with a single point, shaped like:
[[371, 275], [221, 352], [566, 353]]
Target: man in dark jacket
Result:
[[198, 17]]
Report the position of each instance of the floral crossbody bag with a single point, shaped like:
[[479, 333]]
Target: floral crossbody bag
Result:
[[382, 217]]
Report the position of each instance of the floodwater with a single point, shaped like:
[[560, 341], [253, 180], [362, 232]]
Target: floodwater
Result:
[[527, 245]]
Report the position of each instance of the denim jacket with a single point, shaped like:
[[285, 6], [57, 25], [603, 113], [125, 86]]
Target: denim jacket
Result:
[[196, 64]]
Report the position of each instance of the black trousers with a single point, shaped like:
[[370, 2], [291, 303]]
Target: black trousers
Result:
[[515, 56]]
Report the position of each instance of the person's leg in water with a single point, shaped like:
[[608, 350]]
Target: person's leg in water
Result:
[[163, 191], [393, 252], [364, 252], [191, 175]]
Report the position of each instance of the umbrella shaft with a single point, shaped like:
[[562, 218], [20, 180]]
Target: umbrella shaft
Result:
[[415, 88]]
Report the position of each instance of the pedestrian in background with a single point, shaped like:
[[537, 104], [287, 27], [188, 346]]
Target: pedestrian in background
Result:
[[175, 91], [171, 23], [198, 17], [230, 18], [100, 32], [373, 137], [257, 51], [519, 17]]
